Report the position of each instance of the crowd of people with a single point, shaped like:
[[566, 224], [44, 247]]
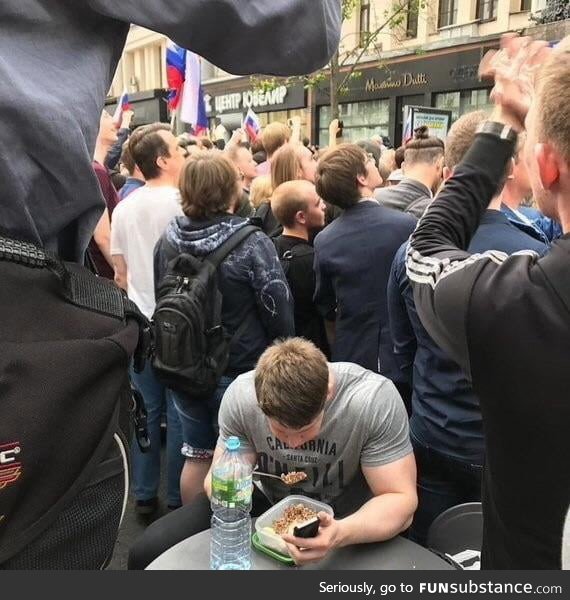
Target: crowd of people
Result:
[[395, 319], [397, 381]]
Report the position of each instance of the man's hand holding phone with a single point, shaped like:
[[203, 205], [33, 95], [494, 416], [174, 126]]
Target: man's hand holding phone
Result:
[[304, 550]]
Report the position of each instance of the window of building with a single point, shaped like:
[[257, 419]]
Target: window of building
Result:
[[283, 116], [447, 12], [412, 19], [463, 102], [525, 4], [361, 120], [487, 9], [364, 21]]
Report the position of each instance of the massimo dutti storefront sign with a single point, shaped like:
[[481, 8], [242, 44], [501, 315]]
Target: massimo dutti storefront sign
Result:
[[437, 72], [401, 81]]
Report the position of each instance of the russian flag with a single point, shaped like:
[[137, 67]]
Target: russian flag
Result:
[[408, 133], [122, 106], [193, 108], [251, 124], [175, 73]]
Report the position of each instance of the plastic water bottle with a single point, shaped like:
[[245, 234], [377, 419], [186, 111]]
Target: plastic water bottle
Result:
[[231, 504]]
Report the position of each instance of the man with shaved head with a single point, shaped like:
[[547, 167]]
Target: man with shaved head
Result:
[[298, 207]]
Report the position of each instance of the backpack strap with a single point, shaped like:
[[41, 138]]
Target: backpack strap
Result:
[[218, 256]]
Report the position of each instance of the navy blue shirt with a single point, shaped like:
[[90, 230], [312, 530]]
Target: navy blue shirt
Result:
[[130, 186], [445, 411], [353, 256], [540, 227]]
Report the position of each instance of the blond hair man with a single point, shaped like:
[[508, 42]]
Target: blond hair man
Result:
[[505, 319], [345, 427], [273, 137], [301, 212]]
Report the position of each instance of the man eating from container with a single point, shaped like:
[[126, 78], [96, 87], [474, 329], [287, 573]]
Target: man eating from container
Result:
[[342, 425]]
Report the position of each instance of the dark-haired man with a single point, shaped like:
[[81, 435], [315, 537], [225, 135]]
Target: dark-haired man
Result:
[[138, 222], [353, 256], [422, 169], [344, 426]]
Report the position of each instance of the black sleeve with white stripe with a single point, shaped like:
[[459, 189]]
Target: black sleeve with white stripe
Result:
[[440, 270]]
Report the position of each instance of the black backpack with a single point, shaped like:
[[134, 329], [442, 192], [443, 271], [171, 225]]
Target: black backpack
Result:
[[66, 340], [191, 346]]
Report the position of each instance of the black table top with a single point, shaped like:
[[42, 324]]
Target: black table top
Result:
[[397, 554]]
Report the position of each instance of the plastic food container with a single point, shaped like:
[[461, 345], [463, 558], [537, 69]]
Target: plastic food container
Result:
[[273, 540]]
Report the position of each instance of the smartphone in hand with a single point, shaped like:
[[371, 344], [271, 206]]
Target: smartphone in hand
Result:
[[308, 529]]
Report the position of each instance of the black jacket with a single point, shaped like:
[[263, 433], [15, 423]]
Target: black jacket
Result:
[[353, 256], [506, 320]]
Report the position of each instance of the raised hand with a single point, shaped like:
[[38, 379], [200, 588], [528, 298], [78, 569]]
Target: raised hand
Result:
[[513, 69]]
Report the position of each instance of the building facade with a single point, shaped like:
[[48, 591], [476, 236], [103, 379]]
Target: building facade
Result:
[[428, 59]]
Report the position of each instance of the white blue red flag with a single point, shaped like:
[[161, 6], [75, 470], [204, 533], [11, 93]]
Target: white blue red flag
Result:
[[122, 106], [192, 107], [251, 125], [175, 73]]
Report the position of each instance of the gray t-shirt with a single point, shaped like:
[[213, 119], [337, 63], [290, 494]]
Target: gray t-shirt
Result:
[[365, 423]]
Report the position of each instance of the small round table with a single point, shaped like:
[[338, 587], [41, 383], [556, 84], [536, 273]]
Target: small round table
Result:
[[193, 554]]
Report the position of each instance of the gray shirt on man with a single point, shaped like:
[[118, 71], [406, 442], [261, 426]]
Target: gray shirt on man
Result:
[[58, 61], [364, 424]]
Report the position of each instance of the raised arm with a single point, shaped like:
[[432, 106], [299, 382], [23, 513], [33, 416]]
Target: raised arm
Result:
[[442, 273], [280, 37]]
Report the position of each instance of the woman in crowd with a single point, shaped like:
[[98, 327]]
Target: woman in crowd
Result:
[[251, 281], [290, 162]]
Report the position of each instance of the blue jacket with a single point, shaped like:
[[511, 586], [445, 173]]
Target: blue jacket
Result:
[[541, 228], [130, 186], [251, 280], [445, 411], [353, 256]]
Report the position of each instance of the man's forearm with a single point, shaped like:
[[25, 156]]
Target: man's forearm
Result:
[[381, 518], [121, 282], [102, 237]]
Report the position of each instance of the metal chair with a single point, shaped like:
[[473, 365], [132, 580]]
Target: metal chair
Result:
[[456, 531]]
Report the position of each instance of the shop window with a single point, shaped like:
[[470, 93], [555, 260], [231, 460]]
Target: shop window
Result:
[[487, 9], [463, 102], [361, 120], [283, 116], [447, 13], [364, 21], [412, 19]]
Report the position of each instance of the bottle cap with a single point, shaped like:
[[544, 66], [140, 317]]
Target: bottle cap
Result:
[[232, 443]]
